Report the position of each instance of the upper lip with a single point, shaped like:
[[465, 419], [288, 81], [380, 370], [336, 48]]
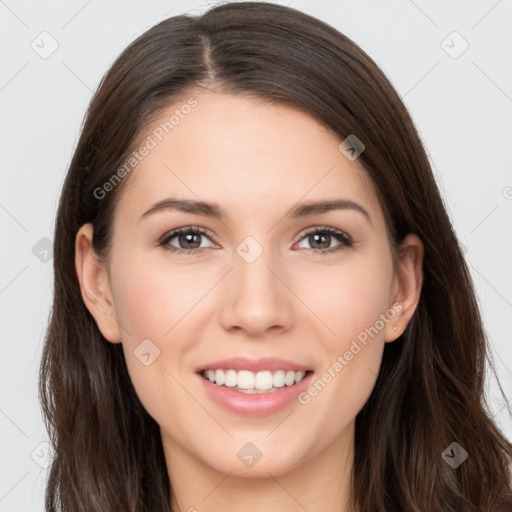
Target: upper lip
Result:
[[254, 365]]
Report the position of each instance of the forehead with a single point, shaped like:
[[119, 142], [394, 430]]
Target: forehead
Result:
[[248, 154]]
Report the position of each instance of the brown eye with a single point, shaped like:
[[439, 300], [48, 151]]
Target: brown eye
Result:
[[320, 240], [188, 239]]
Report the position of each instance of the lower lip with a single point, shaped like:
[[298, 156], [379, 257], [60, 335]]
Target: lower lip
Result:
[[258, 404]]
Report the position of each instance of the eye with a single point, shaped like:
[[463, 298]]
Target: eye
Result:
[[320, 234], [189, 237], [190, 240]]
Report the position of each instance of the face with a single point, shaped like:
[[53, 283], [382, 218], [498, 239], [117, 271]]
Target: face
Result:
[[293, 299]]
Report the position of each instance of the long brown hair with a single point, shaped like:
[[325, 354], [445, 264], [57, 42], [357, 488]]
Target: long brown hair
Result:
[[108, 454]]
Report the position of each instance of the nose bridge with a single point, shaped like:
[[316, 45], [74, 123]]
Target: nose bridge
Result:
[[252, 266], [257, 297]]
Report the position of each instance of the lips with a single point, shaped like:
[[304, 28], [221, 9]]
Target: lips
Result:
[[254, 365], [258, 402], [263, 404]]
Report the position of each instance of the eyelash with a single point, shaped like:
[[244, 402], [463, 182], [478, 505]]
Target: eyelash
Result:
[[340, 236]]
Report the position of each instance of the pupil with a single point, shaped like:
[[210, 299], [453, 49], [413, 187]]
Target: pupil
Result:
[[185, 237], [316, 236]]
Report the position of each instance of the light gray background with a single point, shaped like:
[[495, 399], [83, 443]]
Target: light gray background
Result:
[[462, 107]]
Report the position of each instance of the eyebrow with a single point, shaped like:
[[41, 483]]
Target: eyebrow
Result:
[[210, 209]]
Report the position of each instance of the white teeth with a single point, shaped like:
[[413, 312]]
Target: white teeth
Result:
[[289, 378], [219, 377], [245, 379], [299, 376], [230, 378], [250, 382], [263, 380], [278, 379]]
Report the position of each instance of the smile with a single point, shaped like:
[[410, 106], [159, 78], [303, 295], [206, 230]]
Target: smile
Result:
[[249, 382]]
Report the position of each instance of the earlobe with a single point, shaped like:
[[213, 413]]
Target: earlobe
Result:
[[95, 285], [408, 284]]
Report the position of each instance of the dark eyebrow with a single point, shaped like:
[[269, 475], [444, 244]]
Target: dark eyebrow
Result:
[[189, 206], [216, 211], [312, 207]]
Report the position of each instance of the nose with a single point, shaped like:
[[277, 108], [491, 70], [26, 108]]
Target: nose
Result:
[[256, 296]]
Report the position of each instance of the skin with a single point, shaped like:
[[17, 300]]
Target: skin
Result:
[[257, 160]]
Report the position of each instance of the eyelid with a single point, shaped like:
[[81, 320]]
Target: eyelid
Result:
[[320, 228], [168, 235], [344, 239]]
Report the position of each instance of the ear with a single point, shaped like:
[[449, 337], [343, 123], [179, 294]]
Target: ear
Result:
[[95, 285], [407, 284]]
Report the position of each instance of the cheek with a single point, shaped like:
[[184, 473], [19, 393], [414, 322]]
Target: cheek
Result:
[[352, 302], [157, 301], [153, 298], [151, 306], [349, 298]]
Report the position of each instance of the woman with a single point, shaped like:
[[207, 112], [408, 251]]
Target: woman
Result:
[[203, 352]]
